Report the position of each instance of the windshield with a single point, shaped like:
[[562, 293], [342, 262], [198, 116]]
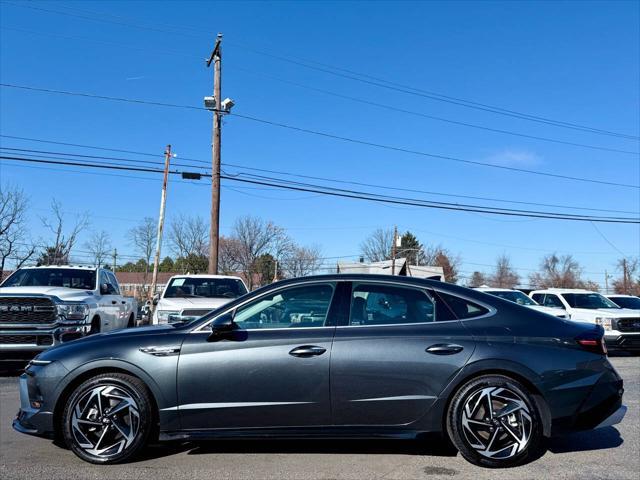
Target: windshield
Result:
[[627, 302], [588, 300], [204, 287], [53, 277], [513, 296]]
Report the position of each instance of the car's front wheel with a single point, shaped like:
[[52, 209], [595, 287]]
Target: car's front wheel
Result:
[[494, 422], [108, 418]]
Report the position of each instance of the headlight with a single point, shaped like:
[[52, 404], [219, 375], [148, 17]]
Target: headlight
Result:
[[605, 322], [163, 315], [73, 311]]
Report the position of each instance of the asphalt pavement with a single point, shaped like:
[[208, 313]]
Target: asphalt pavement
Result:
[[608, 453]]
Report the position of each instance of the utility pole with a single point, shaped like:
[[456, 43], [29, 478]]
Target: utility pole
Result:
[[393, 251], [606, 282], [214, 232], [625, 284], [163, 201], [275, 271], [115, 256]]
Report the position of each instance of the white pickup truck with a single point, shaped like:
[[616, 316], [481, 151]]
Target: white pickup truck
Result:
[[191, 296], [44, 306], [516, 296], [621, 325]]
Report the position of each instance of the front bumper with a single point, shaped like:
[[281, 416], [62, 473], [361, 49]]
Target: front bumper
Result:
[[623, 341], [23, 344], [31, 419]]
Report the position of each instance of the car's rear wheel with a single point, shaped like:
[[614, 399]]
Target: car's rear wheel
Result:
[[494, 422], [108, 418]]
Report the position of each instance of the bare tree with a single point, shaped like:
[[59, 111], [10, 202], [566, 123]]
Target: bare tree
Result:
[[504, 275], [557, 271], [301, 261], [228, 254], [98, 246], [256, 237], [438, 256], [13, 231], [377, 246], [477, 279], [63, 239], [629, 281], [189, 236], [143, 237]]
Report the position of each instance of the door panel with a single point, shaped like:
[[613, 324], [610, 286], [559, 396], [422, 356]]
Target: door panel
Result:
[[251, 380], [384, 376], [272, 370]]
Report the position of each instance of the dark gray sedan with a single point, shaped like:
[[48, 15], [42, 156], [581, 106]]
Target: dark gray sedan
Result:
[[331, 356]]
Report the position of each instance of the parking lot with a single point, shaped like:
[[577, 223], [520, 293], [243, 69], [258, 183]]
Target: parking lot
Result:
[[606, 453]]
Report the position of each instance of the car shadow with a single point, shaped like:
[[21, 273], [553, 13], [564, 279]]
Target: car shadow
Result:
[[427, 445], [424, 446], [599, 439]]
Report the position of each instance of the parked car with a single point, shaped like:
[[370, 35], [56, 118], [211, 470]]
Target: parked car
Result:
[[520, 298], [626, 301], [621, 326], [192, 296], [44, 306], [331, 356]]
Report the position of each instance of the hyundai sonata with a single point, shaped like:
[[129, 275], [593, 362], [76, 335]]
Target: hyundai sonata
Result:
[[331, 356]]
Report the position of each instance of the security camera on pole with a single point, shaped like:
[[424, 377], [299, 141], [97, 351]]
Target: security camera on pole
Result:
[[218, 108]]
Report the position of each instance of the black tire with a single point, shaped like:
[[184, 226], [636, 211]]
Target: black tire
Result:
[[95, 326], [104, 433], [482, 440]]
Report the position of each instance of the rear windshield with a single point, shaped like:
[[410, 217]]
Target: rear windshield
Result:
[[184, 287], [52, 277], [515, 297], [588, 300]]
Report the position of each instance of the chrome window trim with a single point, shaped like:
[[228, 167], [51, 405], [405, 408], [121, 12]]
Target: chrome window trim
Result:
[[491, 311], [333, 283]]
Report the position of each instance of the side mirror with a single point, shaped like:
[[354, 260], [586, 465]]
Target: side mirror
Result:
[[104, 289], [222, 326], [156, 298]]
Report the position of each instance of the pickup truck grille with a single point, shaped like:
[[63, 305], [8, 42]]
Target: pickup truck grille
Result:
[[27, 310], [26, 340], [195, 312], [629, 325]]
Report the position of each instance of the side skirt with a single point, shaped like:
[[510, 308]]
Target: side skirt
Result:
[[324, 432]]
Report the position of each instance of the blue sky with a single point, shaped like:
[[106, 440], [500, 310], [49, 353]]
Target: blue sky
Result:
[[572, 61]]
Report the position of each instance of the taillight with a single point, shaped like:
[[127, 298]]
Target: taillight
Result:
[[594, 345]]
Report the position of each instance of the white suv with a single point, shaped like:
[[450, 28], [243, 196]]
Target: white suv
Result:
[[621, 326], [516, 296]]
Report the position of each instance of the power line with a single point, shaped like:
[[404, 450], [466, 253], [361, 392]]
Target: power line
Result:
[[348, 74], [351, 98], [334, 180], [360, 195], [332, 136], [48, 154]]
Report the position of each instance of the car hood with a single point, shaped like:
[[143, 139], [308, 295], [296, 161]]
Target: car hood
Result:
[[556, 312], [114, 337], [180, 303], [608, 312], [60, 292]]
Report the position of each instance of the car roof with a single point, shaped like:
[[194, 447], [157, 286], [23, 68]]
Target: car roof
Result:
[[75, 267], [563, 290], [621, 295], [491, 289], [204, 275]]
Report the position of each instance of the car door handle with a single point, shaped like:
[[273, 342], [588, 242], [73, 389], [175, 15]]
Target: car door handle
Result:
[[444, 349], [113, 302], [124, 303], [307, 351]]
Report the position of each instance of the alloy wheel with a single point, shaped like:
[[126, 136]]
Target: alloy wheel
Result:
[[497, 422], [105, 421]]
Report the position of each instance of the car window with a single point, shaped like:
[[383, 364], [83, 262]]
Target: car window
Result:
[[552, 301], [461, 307], [295, 307], [373, 304], [538, 298], [114, 283]]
